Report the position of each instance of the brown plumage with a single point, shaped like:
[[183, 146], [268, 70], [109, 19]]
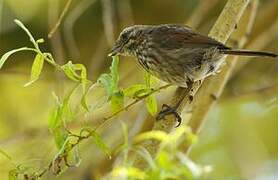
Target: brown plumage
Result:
[[175, 54]]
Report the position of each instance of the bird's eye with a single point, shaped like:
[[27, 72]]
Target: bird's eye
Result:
[[124, 37]]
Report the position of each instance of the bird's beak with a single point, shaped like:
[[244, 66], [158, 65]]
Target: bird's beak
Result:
[[115, 50]]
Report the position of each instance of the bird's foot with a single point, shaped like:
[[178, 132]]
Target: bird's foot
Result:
[[168, 110]]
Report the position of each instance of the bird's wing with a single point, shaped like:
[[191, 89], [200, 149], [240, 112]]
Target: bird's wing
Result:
[[178, 37]]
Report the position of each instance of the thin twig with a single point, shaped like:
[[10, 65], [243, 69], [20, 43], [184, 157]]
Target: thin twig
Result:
[[106, 119], [221, 31], [214, 85], [65, 10], [62, 156]]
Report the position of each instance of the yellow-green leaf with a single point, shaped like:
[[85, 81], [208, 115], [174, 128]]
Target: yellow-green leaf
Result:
[[8, 54], [117, 101], [151, 104], [100, 144], [155, 134], [132, 90], [36, 69]]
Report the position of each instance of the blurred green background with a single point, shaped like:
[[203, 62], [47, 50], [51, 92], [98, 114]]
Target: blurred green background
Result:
[[239, 139]]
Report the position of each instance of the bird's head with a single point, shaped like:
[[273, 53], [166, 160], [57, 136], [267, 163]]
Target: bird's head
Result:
[[126, 41]]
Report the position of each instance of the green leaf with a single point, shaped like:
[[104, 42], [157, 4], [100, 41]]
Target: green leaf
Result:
[[110, 81], [151, 104], [55, 119], [20, 24], [114, 71], [60, 136], [132, 90], [13, 174], [154, 134], [8, 54], [69, 70], [6, 155], [142, 93], [163, 160], [100, 144], [41, 40], [84, 103], [147, 77], [129, 172], [106, 81], [36, 69], [117, 101]]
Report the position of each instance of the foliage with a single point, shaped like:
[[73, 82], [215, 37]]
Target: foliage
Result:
[[169, 162]]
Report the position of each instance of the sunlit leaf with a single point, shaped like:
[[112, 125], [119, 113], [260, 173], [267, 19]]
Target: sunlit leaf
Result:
[[151, 104], [60, 135], [74, 158], [100, 144], [69, 70], [131, 91], [106, 81], [154, 134], [142, 92], [83, 75], [84, 103], [36, 69], [41, 40], [20, 24], [54, 119], [129, 172], [117, 101], [114, 71], [163, 160], [147, 77], [13, 174], [62, 110], [8, 54]]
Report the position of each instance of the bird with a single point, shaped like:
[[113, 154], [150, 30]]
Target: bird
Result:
[[176, 54]]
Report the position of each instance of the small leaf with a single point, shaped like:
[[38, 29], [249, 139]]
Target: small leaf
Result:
[[147, 77], [100, 144], [141, 93], [69, 70], [41, 40], [60, 136], [8, 54], [132, 90], [106, 81], [84, 103], [151, 104], [20, 24], [129, 173], [83, 75], [117, 101], [114, 71], [154, 134], [13, 174], [36, 69], [163, 160], [55, 118]]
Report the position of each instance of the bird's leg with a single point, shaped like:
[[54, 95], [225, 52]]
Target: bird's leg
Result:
[[173, 110]]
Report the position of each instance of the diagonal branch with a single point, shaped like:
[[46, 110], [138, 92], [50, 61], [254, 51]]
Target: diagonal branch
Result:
[[221, 31]]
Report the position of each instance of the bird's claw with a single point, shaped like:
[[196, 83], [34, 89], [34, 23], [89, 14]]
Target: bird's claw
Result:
[[168, 110]]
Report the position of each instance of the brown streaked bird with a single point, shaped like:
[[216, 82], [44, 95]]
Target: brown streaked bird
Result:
[[175, 54]]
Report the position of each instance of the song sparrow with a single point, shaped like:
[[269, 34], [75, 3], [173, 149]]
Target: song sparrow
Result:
[[175, 54]]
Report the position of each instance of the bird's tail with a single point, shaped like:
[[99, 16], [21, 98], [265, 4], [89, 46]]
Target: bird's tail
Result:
[[248, 53]]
